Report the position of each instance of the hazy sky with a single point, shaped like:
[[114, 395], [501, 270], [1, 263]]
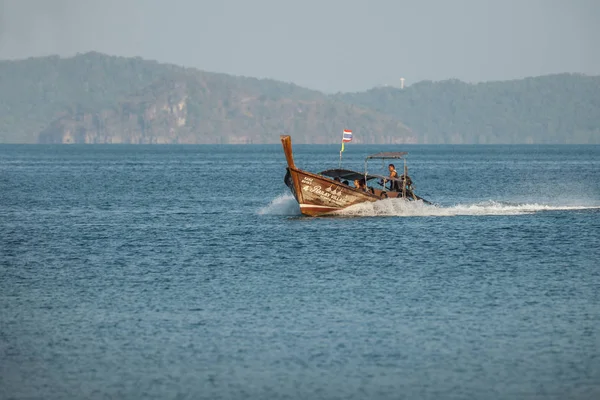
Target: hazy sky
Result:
[[330, 45]]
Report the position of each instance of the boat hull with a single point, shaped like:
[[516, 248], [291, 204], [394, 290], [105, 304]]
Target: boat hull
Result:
[[318, 195]]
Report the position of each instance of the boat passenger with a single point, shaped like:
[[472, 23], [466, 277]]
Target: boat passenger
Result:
[[406, 178], [394, 185], [360, 184], [346, 183], [337, 179]]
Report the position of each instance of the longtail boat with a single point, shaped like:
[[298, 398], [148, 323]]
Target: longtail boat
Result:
[[330, 190]]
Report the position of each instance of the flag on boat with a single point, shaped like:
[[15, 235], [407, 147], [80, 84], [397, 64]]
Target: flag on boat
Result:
[[346, 137]]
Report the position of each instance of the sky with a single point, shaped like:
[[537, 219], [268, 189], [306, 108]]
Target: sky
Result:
[[327, 45]]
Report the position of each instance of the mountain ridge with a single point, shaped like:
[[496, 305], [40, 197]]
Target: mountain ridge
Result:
[[97, 98]]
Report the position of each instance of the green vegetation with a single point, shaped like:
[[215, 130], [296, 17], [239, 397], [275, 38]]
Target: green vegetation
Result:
[[563, 108], [36, 91], [95, 98]]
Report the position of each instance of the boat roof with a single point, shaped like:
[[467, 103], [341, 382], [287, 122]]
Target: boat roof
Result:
[[388, 154], [352, 175], [345, 174]]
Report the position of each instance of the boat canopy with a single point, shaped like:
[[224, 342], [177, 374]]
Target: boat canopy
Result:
[[387, 154], [353, 175], [346, 174]]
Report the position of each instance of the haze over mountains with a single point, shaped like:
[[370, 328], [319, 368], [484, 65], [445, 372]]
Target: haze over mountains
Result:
[[96, 98]]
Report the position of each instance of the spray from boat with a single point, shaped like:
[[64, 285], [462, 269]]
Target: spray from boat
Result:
[[286, 205]]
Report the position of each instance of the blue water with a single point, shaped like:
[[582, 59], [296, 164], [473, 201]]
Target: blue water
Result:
[[185, 272]]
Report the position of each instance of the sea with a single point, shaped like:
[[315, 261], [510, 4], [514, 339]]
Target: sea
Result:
[[187, 272]]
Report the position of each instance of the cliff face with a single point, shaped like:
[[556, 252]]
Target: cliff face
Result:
[[159, 124], [161, 121]]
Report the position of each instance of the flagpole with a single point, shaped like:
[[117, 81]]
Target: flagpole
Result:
[[340, 164]]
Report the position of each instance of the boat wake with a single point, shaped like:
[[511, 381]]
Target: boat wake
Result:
[[403, 208], [287, 205]]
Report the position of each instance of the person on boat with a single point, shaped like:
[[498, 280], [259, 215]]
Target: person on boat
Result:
[[394, 185], [407, 180], [346, 183], [337, 179], [360, 184]]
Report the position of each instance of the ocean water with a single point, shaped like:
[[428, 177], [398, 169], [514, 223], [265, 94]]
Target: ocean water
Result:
[[186, 272]]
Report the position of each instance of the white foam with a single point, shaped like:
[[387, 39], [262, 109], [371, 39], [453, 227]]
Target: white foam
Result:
[[404, 208], [284, 204]]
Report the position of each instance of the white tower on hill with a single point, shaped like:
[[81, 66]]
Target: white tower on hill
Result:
[[401, 83]]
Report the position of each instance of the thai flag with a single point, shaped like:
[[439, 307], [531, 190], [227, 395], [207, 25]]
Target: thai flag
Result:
[[347, 136]]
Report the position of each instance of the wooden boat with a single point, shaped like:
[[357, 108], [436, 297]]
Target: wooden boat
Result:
[[330, 190]]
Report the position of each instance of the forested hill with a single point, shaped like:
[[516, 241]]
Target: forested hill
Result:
[[95, 98], [562, 108]]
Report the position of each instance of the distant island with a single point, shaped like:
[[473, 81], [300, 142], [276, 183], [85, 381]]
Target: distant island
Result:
[[96, 98]]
